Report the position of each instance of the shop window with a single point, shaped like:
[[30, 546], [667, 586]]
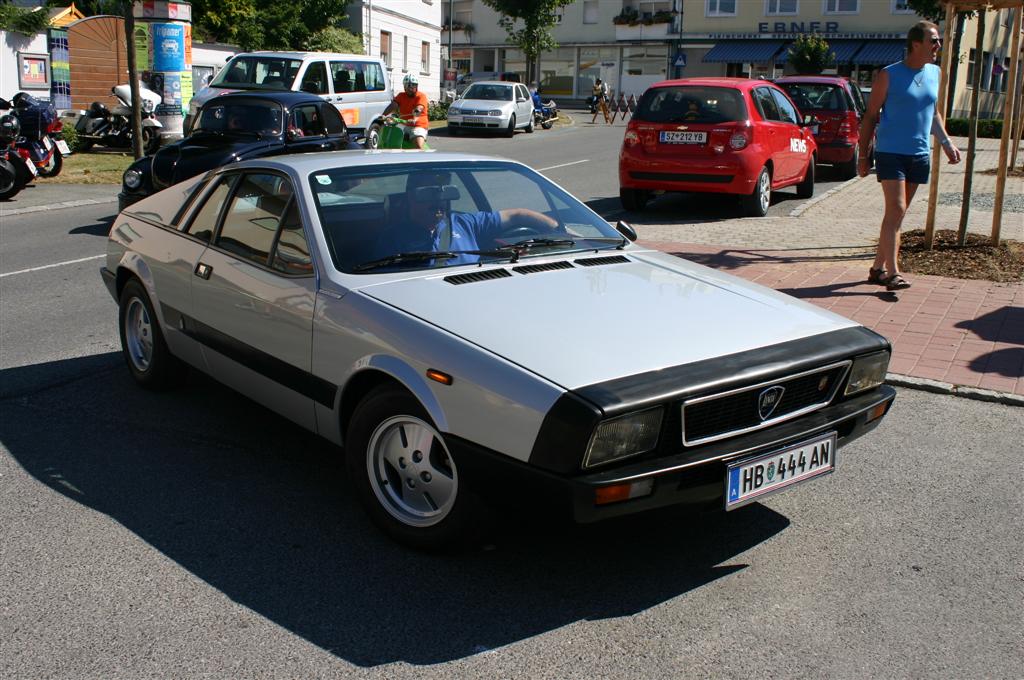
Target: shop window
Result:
[[986, 71], [781, 7], [424, 57], [971, 59], [720, 8], [842, 6]]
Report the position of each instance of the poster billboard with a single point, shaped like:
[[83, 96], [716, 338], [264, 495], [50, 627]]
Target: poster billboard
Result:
[[169, 47]]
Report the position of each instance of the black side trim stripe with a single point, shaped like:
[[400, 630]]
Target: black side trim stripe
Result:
[[281, 372]]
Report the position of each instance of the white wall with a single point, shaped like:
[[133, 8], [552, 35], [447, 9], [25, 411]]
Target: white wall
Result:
[[416, 21], [10, 44]]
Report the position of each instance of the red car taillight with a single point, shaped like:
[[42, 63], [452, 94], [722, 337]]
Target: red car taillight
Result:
[[631, 138], [742, 138]]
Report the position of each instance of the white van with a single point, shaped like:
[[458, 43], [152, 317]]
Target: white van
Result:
[[356, 84]]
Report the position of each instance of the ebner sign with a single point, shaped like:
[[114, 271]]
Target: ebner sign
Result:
[[798, 27]]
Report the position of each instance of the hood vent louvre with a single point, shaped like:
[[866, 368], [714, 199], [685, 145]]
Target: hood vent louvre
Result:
[[598, 261], [548, 267], [485, 275]]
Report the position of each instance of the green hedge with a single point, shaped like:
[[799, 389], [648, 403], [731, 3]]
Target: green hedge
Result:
[[987, 127], [70, 135], [438, 111]]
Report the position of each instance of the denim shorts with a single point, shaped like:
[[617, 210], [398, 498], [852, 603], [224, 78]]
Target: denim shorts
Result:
[[913, 169]]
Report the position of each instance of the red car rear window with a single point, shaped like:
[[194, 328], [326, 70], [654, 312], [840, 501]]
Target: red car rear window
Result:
[[691, 104], [817, 96]]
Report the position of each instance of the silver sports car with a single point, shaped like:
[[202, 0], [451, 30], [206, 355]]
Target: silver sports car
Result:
[[468, 331]]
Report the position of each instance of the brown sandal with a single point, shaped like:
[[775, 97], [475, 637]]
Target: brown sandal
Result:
[[896, 282], [876, 276]]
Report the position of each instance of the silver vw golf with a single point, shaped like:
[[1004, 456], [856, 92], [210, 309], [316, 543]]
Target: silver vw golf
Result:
[[467, 330]]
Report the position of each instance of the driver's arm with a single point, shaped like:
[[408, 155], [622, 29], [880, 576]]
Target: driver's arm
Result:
[[524, 217]]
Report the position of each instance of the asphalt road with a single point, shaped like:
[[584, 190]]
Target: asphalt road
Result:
[[193, 533]]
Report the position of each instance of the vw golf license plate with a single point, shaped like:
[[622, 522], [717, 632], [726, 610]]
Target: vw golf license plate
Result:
[[677, 137], [751, 478]]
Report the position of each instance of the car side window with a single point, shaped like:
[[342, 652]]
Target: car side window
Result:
[[787, 112], [314, 80], [252, 218], [766, 103], [205, 222], [307, 120], [291, 253], [332, 120]]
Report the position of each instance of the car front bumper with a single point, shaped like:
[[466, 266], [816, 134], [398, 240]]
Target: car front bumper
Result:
[[478, 122], [693, 477]]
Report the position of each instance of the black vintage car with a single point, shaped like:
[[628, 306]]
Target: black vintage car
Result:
[[235, 127]]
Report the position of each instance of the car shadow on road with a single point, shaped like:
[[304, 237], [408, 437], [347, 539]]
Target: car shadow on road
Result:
[[99, 228], [680, 208], [258, 509]]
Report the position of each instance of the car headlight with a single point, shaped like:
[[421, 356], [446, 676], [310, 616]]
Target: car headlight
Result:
[[867, 372], [496, 112], [132, 178], [625, 436], [148, 106]]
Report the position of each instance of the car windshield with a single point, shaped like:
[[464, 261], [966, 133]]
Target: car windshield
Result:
[[692, 104], [497, 93], [267, 73], [415, 216], [816, 96], [253, 118]]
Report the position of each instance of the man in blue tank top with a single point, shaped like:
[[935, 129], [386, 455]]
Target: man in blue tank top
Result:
[[903, 109]]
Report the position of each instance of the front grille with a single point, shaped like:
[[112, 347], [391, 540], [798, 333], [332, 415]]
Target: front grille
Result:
[[682, 177], [731, 413]]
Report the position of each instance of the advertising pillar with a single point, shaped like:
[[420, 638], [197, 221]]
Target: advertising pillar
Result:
[[163, 48]]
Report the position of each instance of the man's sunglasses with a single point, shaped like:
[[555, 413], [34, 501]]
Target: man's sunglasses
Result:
[[936, 41]]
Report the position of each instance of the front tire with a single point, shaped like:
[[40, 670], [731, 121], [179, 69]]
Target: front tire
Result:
[[760, 199], [150, 141], [806, 188], [55, 165], [142, 341], [511, 131], [529, 127], [404, 474]]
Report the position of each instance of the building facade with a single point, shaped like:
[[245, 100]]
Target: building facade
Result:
[[630, 44], [405, 34]]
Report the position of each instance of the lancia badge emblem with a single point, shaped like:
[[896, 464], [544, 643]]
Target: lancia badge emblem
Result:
[[768, 400]]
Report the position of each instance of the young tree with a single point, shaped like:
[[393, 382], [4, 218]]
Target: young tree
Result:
[[534, 35], [810, 54]]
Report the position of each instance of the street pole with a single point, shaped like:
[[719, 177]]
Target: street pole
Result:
[[133, 77], [451, 15]]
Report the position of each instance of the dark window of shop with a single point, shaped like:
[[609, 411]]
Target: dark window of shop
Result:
[[787, 112]]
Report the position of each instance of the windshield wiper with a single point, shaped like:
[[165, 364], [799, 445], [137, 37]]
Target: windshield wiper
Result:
[[529, 243], [418, 255]]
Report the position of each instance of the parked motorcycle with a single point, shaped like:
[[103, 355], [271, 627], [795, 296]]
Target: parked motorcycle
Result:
[[544, 114], [113, 127], [15, 169], [41, 134]]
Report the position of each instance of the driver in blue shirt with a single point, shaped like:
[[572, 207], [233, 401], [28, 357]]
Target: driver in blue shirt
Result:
[[428, 227]]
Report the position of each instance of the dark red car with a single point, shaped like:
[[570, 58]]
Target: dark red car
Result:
[[838, 105], [716, 135]]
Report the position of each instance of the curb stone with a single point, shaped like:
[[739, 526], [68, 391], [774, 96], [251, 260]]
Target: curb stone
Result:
[[938, 387], [57, 206]]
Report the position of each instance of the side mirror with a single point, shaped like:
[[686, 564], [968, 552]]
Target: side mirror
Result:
[[626, 230], [520, 99]]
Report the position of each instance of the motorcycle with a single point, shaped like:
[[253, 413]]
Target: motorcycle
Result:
[[544, 115], [16, 170], [41, 134], [392, 134], [113, 127]]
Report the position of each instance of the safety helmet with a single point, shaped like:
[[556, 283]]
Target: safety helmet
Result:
[[410, 79], [10, 128]]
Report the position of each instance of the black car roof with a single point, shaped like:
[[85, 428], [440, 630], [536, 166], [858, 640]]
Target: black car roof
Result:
[[286, 98]]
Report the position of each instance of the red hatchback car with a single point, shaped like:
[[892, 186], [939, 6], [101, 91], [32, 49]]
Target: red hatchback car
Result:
[[838, 105], [718, 135]]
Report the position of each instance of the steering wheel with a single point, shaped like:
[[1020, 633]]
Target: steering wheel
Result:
[[519, 232]]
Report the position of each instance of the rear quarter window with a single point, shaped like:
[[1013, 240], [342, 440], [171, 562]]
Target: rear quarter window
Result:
[[691, 104]]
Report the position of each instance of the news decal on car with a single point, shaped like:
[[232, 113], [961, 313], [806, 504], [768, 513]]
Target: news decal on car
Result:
[[347, 292]]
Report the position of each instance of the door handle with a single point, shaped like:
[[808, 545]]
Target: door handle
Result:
[[203, 271]]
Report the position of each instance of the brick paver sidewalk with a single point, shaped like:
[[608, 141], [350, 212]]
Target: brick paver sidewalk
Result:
[[963, 333]]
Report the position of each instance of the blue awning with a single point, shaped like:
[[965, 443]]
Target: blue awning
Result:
[[881, 52], [843, 49], [742, 51]]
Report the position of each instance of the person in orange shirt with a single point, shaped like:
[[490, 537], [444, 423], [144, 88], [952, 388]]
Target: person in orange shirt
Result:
[[412, 107]]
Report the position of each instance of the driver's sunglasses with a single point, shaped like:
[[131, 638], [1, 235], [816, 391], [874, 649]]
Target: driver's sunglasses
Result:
[[936, 41]]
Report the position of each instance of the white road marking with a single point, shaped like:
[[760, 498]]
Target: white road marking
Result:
[[585, 160], [50, 266]]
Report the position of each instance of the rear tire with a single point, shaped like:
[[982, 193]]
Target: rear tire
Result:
[[373, 136], [404, 474], [9, 185], [806, 188], [142, 341], [848, 170], [760, 199], [634, 200]]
